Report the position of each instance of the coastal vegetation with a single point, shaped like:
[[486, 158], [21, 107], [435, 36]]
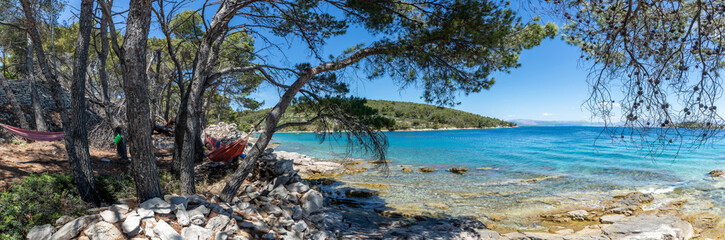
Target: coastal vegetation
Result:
[[118, 84], [132, 77], [404, 116]]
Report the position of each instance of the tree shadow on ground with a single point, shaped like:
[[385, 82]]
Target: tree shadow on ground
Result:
[[369, 217]]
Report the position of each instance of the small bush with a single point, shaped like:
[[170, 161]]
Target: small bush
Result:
[[37, 200], [112, 188], [122, 186], [169, 183]]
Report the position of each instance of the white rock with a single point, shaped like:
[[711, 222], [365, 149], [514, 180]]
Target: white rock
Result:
[[111, 216], [148, 231], [312, 202], [176, 200], [487, 234], [270, 235], [166, 232], [609, 219], [301, 226], [198, 219], [321, 235], [62, 220], [132, 225], [73, 228], [250, 188], [40, 232], [157, 205], [195, 232], [291, 236], [221, 236], [296, 212], [103, 231], [578, 215], [182, 217], [217, 223], [122, 208], [297, 187], [232, 226], [279, 193], [650, 227], [145, 213], [201, 209]]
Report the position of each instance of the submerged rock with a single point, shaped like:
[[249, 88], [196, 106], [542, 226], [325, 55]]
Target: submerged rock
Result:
[[716, 173], [380, 162], [426, 170], [360, 193], [458, 170]]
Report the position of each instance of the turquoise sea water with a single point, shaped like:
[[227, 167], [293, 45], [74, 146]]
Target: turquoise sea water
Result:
[[567, 161]]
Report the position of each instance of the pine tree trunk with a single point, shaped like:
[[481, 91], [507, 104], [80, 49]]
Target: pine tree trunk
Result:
[[143, 163], [157, 88], [35, 97], [115, 121], [167, 104], [83, 174], [78, 130], [205, 62], [270, 126], [272, 119], [14, 103], [179, 133]]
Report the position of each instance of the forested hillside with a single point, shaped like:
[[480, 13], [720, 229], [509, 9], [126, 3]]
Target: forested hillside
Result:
[[407, 116]]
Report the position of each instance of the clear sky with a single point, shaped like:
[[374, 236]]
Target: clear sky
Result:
[[549, 85]]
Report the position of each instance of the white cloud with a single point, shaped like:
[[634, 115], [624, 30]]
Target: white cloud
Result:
[[547, 114]]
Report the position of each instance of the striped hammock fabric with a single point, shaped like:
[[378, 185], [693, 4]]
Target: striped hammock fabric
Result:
[[34, 135]]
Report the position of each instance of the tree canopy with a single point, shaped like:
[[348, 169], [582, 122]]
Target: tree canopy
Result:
[[667, 57], [204, 65]]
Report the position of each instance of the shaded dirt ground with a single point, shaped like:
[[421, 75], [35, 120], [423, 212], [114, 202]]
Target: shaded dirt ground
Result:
[[23, 159]]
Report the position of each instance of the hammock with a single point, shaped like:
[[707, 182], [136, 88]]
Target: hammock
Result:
[[225, 153], [34, 135]]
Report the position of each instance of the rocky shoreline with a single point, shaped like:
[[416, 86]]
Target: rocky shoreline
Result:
[[279, 204], [293, 196]]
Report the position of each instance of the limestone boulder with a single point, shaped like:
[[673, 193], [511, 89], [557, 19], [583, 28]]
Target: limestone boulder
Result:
[[73, 228], [667, 227], [103, 231], [157, 205], [40, 232]]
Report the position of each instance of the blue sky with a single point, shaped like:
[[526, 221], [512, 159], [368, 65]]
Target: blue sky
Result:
[[549, 85]]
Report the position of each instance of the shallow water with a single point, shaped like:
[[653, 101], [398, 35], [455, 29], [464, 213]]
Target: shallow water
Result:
[[566, 164]]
